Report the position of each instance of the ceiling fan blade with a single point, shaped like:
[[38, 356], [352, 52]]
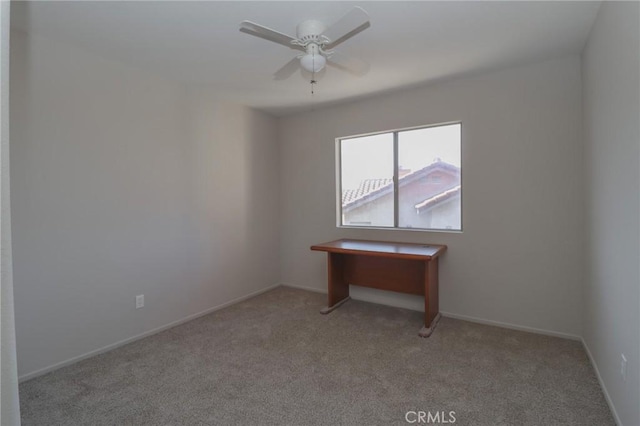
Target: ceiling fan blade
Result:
[[258, 30], [355, 21], [287, 70], [347, 63]]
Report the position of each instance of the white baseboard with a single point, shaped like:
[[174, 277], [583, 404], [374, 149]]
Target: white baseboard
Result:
[[300, 287], [512, 326], [602, 386], [115, 345], [461, 317]]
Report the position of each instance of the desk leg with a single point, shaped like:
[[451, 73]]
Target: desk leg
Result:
[[338, 288], [431, 309]]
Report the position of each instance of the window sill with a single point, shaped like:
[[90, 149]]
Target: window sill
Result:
[[388, 228]]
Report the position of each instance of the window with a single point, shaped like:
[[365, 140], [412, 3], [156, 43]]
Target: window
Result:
[[409, 179]]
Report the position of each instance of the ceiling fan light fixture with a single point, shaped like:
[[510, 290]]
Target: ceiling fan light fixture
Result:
[[313, 62]]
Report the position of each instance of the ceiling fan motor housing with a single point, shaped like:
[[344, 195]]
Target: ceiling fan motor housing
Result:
[[309, 31]]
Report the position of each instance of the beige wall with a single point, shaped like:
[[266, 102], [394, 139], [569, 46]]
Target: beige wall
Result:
[[519, 259], [612, 165], [124, 184]]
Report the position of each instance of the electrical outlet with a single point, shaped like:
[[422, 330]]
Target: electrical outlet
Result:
[[139, 301], [623, 367]]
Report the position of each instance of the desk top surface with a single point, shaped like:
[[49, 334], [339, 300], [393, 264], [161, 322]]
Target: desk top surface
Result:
[[382, 248]]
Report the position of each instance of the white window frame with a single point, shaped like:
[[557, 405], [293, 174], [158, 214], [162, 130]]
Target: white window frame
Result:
[[395, 227]]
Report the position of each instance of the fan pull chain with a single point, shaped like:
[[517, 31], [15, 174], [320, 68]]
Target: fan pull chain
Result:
[[313, 72]]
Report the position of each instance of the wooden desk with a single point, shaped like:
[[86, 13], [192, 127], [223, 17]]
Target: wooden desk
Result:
[[402, 267]]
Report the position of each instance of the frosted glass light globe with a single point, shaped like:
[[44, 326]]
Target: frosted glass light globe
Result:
[[313, 62]]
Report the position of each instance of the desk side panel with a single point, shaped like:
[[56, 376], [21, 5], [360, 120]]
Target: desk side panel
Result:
[[431, 305], [338, 288]]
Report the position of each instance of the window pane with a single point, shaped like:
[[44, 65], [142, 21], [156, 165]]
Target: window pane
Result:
[[429, 187], [367, 180]]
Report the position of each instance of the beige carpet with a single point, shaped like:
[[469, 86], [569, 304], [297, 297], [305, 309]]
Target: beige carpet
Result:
[[274, 360]]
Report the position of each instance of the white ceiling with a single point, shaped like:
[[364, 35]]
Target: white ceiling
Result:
[[408, 43]]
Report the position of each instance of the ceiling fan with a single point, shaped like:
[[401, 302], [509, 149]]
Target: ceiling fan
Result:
[[317, 40]]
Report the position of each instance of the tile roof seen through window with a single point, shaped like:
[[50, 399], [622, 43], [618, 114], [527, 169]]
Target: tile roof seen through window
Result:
[[439, 198], [370, 189], [366, 187]]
